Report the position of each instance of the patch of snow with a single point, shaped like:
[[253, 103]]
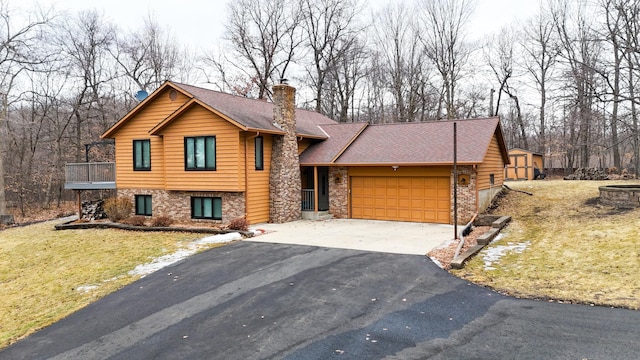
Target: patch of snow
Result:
[[257, 231], [166, 260], [494, 254], [86, 288]]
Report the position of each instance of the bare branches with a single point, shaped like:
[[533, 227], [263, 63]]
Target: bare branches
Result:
[[444, 23], [265, 35]]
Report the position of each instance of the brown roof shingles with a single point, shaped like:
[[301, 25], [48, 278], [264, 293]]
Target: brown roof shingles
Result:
[[339, 136], [256, 114], [421, 143]]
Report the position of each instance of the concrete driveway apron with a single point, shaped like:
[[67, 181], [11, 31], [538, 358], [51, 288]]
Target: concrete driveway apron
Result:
[[369, 235]]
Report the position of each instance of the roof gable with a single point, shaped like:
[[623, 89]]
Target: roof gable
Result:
[[339, 137], [247, 114], [256, 114], [138, 108]]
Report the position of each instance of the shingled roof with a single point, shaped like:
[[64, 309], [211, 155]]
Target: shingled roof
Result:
[[339, 138], [426, 143], [250, 114], [256, 114]]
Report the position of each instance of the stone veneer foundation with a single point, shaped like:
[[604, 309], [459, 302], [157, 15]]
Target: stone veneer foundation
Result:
[[177, 204], [466, 194], [338, 192], [285, 187]]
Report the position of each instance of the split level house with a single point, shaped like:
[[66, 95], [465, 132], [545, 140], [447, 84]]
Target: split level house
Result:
[[195, 154]]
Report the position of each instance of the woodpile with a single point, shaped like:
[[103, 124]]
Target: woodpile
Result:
[[587, 174], [93, 210]]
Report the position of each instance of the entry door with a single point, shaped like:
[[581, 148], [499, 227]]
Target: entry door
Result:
[[323, 188]]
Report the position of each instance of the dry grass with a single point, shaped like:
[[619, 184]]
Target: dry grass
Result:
[[43, 271], [578, 251]]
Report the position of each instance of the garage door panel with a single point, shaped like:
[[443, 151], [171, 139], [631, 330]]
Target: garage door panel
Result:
[[424, 199]]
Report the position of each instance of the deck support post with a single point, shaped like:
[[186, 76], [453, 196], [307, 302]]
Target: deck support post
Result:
[[79, 203]]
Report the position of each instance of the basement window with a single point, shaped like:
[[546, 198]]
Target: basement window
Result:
[[206, 208], [143, 205]]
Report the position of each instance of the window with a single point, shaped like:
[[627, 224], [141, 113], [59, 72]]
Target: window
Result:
[[492, 179], [143, 205], [259, 153], [200, 153], [142, 154], [206, 208]]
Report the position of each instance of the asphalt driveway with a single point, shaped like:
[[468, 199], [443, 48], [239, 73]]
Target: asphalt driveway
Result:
[[250, 300]]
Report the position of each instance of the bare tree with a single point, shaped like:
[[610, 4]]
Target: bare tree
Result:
[[632, 57], [613, 14], [328, 27], [404, 62], [265, 36], [443, 26], [18, 52], [84, 42], [148, 56], [580, 53], [541, 53], [344, 80], [500, 58]]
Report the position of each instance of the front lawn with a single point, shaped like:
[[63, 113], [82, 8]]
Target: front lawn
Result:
[[46, 274], [563, 245]]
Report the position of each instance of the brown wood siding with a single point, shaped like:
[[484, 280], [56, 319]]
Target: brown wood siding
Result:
[[492, 164], [198, 121], [258, 186], [137, 128], [303, 145]]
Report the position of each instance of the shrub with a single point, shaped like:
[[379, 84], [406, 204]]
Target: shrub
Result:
[[161, 221], [238, 224], [135, 220], [118, 208]]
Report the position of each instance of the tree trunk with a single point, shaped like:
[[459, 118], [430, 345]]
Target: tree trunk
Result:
[[3, 200]]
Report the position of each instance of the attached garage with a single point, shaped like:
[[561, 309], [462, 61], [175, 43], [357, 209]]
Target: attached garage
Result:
[[401, 198], [405, 171]]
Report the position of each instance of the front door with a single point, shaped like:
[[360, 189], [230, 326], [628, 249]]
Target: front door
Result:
[[323, 188]]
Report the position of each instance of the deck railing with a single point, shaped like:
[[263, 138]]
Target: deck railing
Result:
[[100, 175], [307, 200]]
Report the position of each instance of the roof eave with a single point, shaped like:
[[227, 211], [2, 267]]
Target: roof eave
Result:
[[442, 163]]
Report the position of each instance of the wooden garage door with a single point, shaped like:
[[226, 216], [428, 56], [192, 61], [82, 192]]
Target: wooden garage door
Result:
[[421, 199]]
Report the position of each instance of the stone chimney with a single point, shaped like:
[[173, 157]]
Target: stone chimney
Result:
[[285, 187]]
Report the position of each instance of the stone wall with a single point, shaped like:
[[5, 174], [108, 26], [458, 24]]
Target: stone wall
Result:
[[284, 183], [338, 192], [467, 200], [620, 196], [177, 204]]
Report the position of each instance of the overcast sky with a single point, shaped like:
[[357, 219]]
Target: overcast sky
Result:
[[200, 22]]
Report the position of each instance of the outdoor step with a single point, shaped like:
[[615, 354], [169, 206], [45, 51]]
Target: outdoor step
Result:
[[501, 222], [488, 236], [458, 262], [325, 217]]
